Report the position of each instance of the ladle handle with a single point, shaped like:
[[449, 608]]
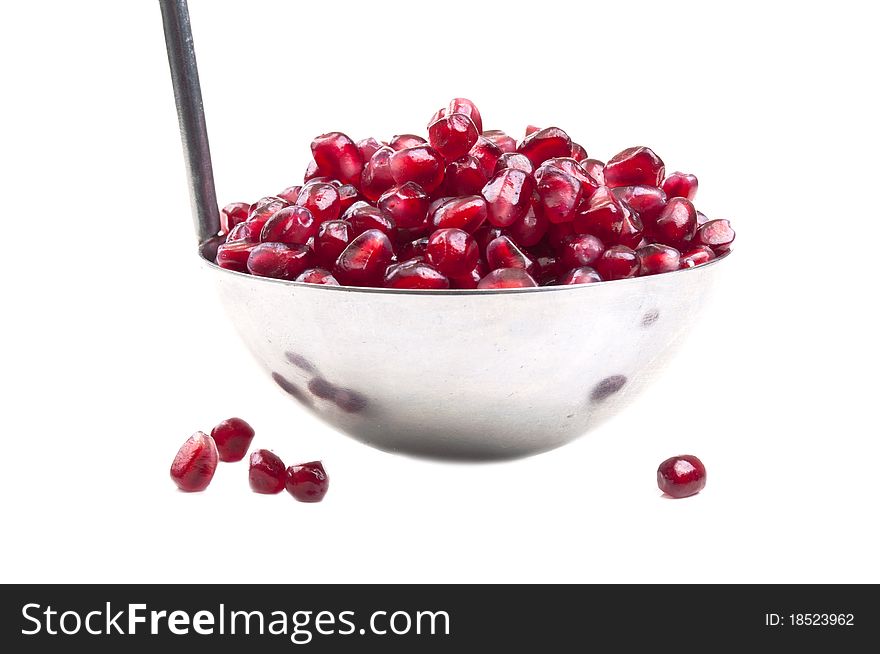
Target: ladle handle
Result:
[[191, 115]]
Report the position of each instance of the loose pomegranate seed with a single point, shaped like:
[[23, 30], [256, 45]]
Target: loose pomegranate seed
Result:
[[531, 129], [557, 233], [531, 228], [618, 262], [547, 268], [504, 142], [404, 141], [610, 219], [680, 185], [377, 178], [364, 261], [233, 214], [559, 195], [278, 260], [422, 165], [464, 176], [362, 216], [507, 278], [717, 234], [467, 213], [485, 235], [578, 152], [469, 280], [322, 200], [317, 276], [580, 250], [333, 237], [573, 168], [368, 147], [416, 249], [233, 438], [634, 166], [657, 258], [546, 144], [313, 172], [503, 253], [508, 194], [452, 136], [468, 108], [582, 275], [263, 208], [407, 205], [595, 169], [348, 195], [696, 257], [337, 155], [677, 223], [195, 463], [415, 274], [307, 482], [290, 194], [291, 225], [440, 113], [681, 476], [234, 256], [647, 201], [267, 473], [452, 251], [514, 160], [702, 218], [487, 154]]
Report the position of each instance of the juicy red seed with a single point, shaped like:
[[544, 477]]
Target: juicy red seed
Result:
[[504, 253], [717, 234], [545, 144], [504, 142], [531, 228], [582, 275], [557, 233], [471, 279], [404, 141], [464, 176], [647, 201], [487, 154], [317, 276], [595, 169], [364, 261], [618, 262], [440, 113], [559, 195], [417, 249], [681, 476], [422, 165], [234, 256], [580, 250], [578, 152], [233, 214], [507, 278], [195, 463], [696, 257], [677, 223], [702, 218], [246, 231], [377, 178], [407, 205], [514, 160], [307, 482], [531, 129], [657, 258], [508, 194], [485, 235], [368, 147], [453, 252], [547, 269], [233, 438], [337, 155], [467, 213], [278, 260], [680, 185], [573, 168], [348, 195], [322, 200], [313, 172], [634, 166], [452, 136], [290, 194], [610, 219], [292, 225], [333, 237], [468, 108], [415, 274], [267, 473], [263, 208], [362, 216]]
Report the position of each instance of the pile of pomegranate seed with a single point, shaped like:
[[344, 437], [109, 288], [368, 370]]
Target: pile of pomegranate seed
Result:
[[468, 208], [681, 476]]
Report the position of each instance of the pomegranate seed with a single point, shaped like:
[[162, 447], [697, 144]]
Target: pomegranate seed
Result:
[[531, 228], [467, 213], [233, 438], [195, 463], [234, 256], [559, 195], [531, 129], [677, 223], [364, 261], [452, 136], [440, 113], [504, 142], [507, 278], [290, 194], [468, 108], [417, 249], [633, 167], [702, 218], [317, 276], [404, 141], [267, 473], [278, 260], [333, 237], [696, 257], [580, 250], [508, 194], [452, 251], [322, 200], [487, 154], [647, 201], [547, 268], [233, 214], [377, 178], [573, 168], [657, 258], [348, 195], [263, 208], [407, 205], [578, 152], [485, 235], [415, 274], [421, 164], [504, 253], [471, 279], [680, 185], [291, 225], [681, 476], [717, 234], [595, 169], [582, 275], [367, 148], [464, 176], [362, 216], [618, 262], [557, 233], [545, 144], [514, 160], [337, 155], [307, 482], [610, 219]]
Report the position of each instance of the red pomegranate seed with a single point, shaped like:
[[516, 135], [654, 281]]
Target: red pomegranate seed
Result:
[[377, 178], [415, 274], [508, 194], [440, 113], [452, 136], [407, 205], [318, 276], [233, 214], [531, 129], [362, 216], [337, 155], [559, 195], [573, 168], [717, 234], [507, 278], [467, 213], [657, 258], [677, 223], [595, 169], [312, 172], [368, 147], [291, 225], [514, 160], [531, 228], [422, 165], [267, 473], [634, 166], [702, 218], [417, 249], [696, 257], [485, 235], [680, 185], [195, 463], [307, 482], [290, 194], [618, 262], [647, 201], [468, 108], [547, 269], [364, 261], [263, 208], [453, 252], [233, 438], [681, 476], [464, 176], [469, 280], [278, 260], [580, 250], [234, 256], [610, 219], [487, 154], [557, 233], [322, 200], [504, 253], [348, 195], [546, 144], [504, 142], [582, 275], [578, 152], [333, 237], [404, 141]]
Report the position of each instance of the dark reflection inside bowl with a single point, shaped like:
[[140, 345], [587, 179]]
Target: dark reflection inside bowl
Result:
[[607, 387]]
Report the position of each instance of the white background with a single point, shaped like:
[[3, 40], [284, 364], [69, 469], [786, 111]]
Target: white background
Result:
[[115, 348]]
